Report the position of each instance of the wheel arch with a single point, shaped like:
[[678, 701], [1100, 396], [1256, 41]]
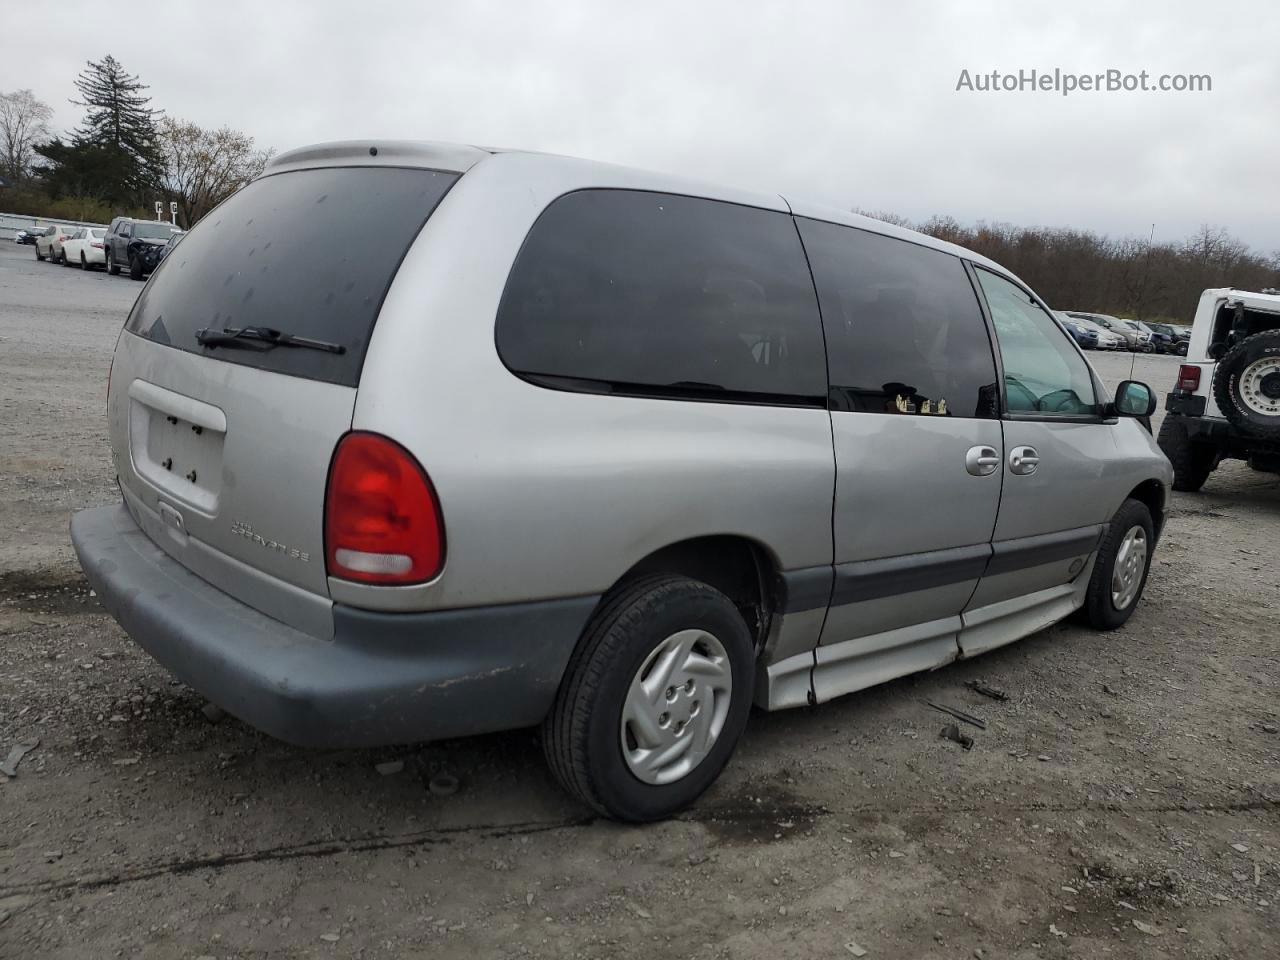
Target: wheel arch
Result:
[[1153, 495], [744, 570]]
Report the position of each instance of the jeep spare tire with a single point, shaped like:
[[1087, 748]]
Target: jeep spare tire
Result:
[[1246, 384]]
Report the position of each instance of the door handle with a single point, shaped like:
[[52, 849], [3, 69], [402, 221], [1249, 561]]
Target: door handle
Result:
[[1023, 461], [982, 461]]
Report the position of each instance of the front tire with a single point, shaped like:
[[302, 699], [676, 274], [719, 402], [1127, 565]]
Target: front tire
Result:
[[1120, 569], [135, 268], [1192, 462], [654, 699], [39, 256]]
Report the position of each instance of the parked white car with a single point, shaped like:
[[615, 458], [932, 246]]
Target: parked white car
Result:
[[85, 249]]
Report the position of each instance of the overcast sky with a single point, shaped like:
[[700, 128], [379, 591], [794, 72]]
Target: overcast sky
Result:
[[852, 103]]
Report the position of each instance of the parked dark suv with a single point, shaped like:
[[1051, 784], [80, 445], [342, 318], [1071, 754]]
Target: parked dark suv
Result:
[[127, 240]]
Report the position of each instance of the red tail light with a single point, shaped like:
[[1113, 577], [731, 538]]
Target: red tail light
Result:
[[382, 521], [1189, 377], [97, 244]]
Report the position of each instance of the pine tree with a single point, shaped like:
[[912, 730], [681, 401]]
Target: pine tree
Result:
[[120, 122]]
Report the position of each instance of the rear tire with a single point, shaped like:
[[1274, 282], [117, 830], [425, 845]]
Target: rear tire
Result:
[[1192, 462], [112, 267], [1121, 567], [587, 737], [84, 264]]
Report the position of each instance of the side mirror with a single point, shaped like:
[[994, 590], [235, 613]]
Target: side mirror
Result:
[[1134, 399]]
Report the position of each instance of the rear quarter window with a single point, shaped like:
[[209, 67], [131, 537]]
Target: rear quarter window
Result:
[[309, 253], [653, 294]]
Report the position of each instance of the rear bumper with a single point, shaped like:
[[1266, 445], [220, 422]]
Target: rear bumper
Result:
[[1185, 404], [383, 678], [1221, 433]]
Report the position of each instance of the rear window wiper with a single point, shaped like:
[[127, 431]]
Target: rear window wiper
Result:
[[261, 338]]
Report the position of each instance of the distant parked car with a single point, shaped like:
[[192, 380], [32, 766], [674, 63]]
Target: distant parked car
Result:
[[1146, 336], [85, 249], [1132, 337], [25, 236], [46, 239], [1106, 339], [1167, 339], [1087, 339], [145, 255], [126, 238]]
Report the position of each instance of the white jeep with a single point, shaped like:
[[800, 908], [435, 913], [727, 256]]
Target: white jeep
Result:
[[1226, 402]]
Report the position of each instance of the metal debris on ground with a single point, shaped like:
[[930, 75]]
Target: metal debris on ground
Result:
[[856, 950], [952, 732], [19, 750], [959, 714], [995, 693], [1147, 928]]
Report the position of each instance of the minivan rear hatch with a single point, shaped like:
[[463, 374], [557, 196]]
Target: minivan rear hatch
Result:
[[237, 374]]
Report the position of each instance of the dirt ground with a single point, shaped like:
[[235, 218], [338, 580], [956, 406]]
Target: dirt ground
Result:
[[1123, 802]]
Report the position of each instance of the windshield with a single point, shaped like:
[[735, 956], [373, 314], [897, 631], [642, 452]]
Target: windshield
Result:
[[153, 231]]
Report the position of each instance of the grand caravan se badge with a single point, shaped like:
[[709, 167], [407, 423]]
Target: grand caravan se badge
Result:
[[242, 529]]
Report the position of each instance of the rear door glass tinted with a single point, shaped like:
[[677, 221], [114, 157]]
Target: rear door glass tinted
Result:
[[309, 253], [655, 294], [905, 331]]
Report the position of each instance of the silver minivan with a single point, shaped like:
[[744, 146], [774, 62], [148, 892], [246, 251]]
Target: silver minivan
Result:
[[418, 441]]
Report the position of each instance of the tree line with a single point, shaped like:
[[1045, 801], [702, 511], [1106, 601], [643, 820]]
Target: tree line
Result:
[[1128, 277], [124, 155]]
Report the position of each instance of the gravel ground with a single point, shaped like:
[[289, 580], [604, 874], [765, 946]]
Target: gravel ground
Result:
[[1122, 802]]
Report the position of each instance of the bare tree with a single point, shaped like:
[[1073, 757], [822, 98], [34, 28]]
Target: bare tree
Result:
[[884, 216], [24, 122], [204, 167]]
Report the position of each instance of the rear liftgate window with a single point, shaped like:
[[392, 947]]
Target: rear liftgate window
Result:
[[649, 294], [309, 253]]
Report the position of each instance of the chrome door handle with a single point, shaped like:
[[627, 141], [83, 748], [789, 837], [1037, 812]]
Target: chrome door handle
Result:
[[982, 461], [1023, 461]]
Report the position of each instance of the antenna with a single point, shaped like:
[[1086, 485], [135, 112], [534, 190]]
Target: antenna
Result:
[[1142, 292]]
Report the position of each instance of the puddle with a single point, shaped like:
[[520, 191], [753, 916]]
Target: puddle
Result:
[[46, 592], [760, 813]]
